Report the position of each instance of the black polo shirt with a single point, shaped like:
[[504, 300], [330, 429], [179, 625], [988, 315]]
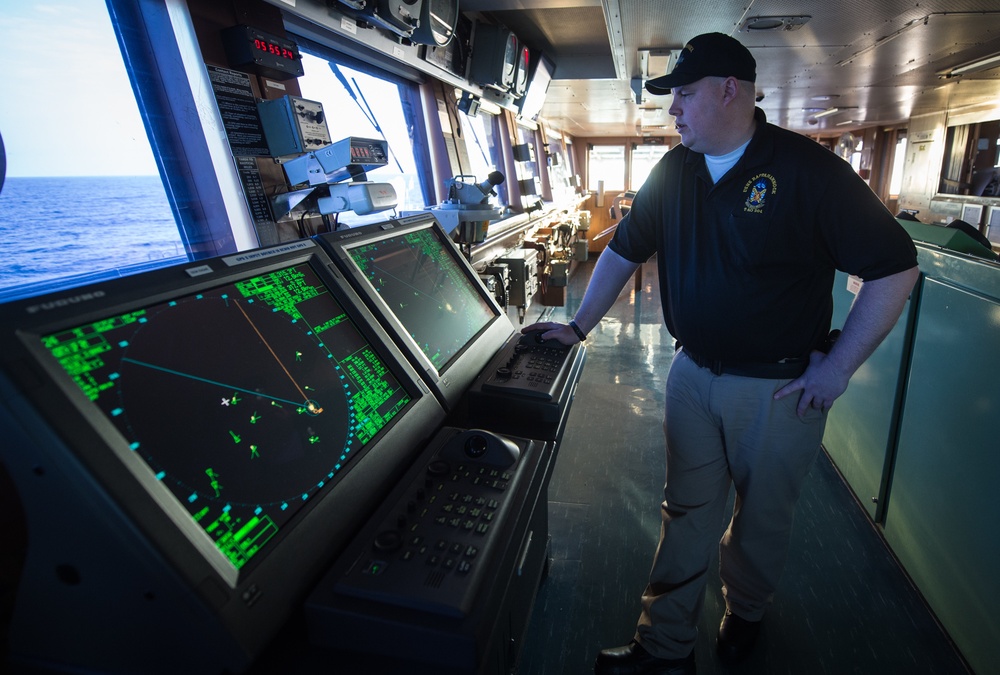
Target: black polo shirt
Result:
[[746, 266]]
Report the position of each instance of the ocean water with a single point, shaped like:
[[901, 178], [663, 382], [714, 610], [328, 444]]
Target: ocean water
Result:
[[63, 227]]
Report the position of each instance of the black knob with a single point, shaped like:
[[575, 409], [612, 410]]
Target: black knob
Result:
[[503, 373], [476, 446], [438, 468], [387, 541]]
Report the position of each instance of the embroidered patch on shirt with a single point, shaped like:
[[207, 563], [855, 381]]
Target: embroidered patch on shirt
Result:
[[758, 190]]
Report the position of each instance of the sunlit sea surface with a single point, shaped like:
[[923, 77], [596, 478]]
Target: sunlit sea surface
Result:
[[60, 227]]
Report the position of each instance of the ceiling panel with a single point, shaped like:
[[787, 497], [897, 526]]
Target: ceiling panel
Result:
[[889, 54], [575, 38]]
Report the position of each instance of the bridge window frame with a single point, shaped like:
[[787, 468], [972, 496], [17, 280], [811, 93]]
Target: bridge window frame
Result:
[[166, 72], [410, 110], [971, 163], [607, 166]]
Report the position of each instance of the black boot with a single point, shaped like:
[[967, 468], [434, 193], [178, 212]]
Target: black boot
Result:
[[736, 637], [632, 659]]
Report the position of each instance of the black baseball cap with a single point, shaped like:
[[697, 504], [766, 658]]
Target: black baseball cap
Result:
[[707, 54]]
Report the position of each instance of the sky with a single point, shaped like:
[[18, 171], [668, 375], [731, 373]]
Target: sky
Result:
[[68, 107]]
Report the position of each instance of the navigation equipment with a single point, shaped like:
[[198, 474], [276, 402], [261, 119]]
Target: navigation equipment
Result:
[[427, 295], [192, 448]]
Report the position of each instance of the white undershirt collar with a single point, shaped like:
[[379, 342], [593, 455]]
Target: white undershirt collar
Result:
[[718, 165]]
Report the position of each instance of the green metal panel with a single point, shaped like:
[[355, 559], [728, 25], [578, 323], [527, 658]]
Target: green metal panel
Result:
[[860, 432], [941, 516], [946, 237]]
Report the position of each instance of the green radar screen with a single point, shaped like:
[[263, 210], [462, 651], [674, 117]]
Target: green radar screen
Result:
[[245, 400], [424, 287]]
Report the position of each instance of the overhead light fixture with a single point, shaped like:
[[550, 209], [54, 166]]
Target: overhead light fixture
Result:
[[882, 40], [981, 64], [827, 112], [844, 123], [656, 61], [653, 62], [760, 24]]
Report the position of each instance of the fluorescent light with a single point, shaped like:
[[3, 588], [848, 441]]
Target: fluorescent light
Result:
[[981, 64], [828, 111]]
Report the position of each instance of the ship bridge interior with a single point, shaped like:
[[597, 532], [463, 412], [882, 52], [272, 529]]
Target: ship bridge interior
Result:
[[267, 401]]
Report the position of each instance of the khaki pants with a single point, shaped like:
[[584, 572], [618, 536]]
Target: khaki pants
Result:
[[720, 430]]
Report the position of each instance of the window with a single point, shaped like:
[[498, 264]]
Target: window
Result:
[[560, 171], [644, 158], [606, 163], [898, 160], [366, 105], [91, 204], [856, 156], [972, 160], [479, 143]]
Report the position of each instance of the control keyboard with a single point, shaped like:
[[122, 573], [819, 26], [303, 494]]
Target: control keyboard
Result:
[[429, 548], [530, 367]]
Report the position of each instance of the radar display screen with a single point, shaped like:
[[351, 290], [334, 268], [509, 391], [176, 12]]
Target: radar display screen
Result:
[[419, 279], [244, 400]]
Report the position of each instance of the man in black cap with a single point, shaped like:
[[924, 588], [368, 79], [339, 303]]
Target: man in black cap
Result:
[[749, 223]]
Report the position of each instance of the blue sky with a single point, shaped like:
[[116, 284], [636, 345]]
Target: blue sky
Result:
[[68, 108]]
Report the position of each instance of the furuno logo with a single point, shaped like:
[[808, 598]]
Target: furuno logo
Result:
[[348, 234], [64, 302]]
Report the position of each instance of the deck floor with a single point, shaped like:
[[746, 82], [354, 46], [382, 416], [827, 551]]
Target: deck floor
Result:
[[844, 605]]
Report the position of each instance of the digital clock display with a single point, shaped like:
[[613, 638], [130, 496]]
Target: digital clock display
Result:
[[262, 53], [274, 49]]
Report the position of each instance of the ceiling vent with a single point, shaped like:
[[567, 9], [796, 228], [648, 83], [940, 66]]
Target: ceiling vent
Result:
[[760, 24]]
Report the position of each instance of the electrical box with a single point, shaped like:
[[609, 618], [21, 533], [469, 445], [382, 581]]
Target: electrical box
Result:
[[529, 186], [523, 269], [293, 125], [523, 152], [500, 284], [559, 273]]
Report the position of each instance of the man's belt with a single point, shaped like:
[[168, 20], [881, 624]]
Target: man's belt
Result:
[[786, 369]]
